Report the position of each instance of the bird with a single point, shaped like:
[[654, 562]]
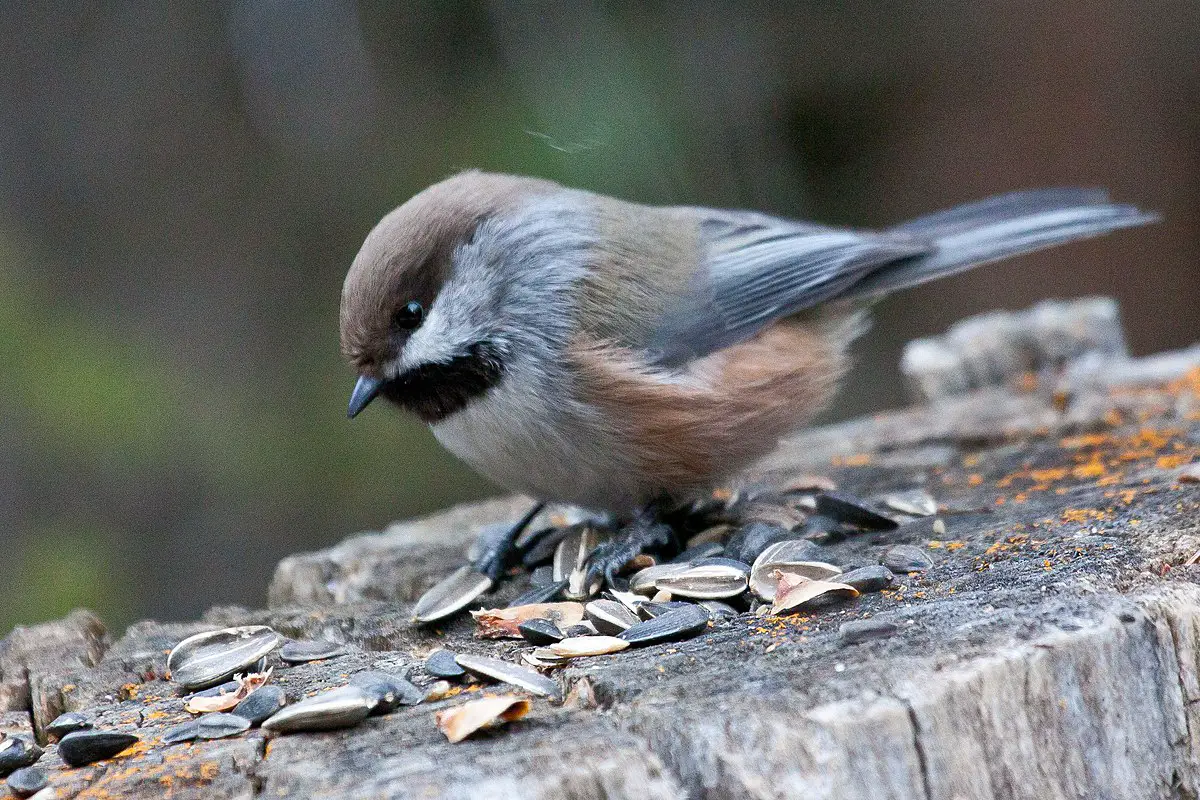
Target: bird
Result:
[[607, 354]]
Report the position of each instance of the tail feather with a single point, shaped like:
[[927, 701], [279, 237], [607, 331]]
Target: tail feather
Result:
[[999, 227]]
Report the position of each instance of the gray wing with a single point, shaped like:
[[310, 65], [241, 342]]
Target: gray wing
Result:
[[757, 269]]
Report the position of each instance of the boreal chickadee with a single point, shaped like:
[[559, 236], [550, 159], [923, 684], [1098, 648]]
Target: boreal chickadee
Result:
[[584, 349]]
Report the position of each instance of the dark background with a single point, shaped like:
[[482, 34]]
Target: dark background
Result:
[[183, 185]]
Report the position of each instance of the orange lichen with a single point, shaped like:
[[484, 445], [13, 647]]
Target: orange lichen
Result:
[[856, 460]]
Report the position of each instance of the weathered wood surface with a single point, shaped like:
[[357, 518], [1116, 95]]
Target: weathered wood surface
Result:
[[1051, 652]]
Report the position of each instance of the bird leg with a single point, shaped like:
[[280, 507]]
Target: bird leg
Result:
[[646, 531], [497, 546]]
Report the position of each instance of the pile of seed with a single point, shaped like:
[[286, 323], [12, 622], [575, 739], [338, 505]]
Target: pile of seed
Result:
[[78, 744]]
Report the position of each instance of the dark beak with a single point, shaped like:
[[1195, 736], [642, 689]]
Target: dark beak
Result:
[[366, 390]]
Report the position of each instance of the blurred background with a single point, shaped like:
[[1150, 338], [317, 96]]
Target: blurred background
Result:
[[183, 185]]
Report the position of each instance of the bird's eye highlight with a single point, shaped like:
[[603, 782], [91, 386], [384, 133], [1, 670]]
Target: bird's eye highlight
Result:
[[409, 316]]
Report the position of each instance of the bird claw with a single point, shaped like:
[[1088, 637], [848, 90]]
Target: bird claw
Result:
[[497, 545], [609, 557]]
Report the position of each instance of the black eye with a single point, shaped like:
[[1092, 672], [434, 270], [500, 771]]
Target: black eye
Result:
[[409, 316]]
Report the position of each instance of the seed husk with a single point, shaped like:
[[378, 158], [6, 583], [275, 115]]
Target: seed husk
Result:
[[718, 610], [17, 752], [651, 609], [717, 533], [86, 747], [676, 624], [699, 551], [261, 704], [610, 617], [789, 556], [542, 550], [500, 623], [386, 691], [644, 580], [441, 664], [461, 721], [707, 581], [811, 484], [794, 590], [871, 578], [915, 502], [573, 550], [337, 708], [579, 646], [224, 698], [544, 657], [301, 652], [212, 657], [851, 510], [185, 732], [437, 690], [748, 541], [863, 630], [543, 593], [452, 594], [67, 723], [904, 558], [540, 632], [27, 781], [219, 726], [513, 674], [585, 628]]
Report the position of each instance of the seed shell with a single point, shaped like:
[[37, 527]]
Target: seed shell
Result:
[[212, 657], [386, 690], [513, 674], [461, 721], [17, 752], [871, 578], [706, 581], [186, 732], [337, 708], [851, 510], [27, 781], [219, 726], [796, 590], [454, 593], [442, 664], [67, 723], [261, 704], [86, 747], [540, 632], [499, 623], [579, 646], [904, 558], [791, 557], [542, 593], [610, 617], [301, 652], [916, 502], [676, 624]]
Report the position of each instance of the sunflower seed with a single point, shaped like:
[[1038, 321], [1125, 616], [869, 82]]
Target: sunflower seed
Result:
[[437, 691], [461, 721], [609, 616], [214, 656], [219, 726], [542, 550], [702, 550], [544, 593], [386, 690], [717, 609], [853, 511], [862, 630], [916, 502], [871, 578], [261, 704], [300, 652], [185, 732], [513, 674], [717, 533], [27, 781], [545, 657], [904, 558], [442, 664], [337, 708], [707, 581], [454, 593], [573, 550], [86, 747], [584, 628], [650, 610], [809, 484], [67, 723], [751, 539], [17, 752], [643, 581], [540, 631], [795, 590], [679, 623], [939, 527], [579, 646]]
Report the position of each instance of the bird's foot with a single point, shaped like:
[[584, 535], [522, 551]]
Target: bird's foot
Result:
[[496, 545], [646, 532]]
